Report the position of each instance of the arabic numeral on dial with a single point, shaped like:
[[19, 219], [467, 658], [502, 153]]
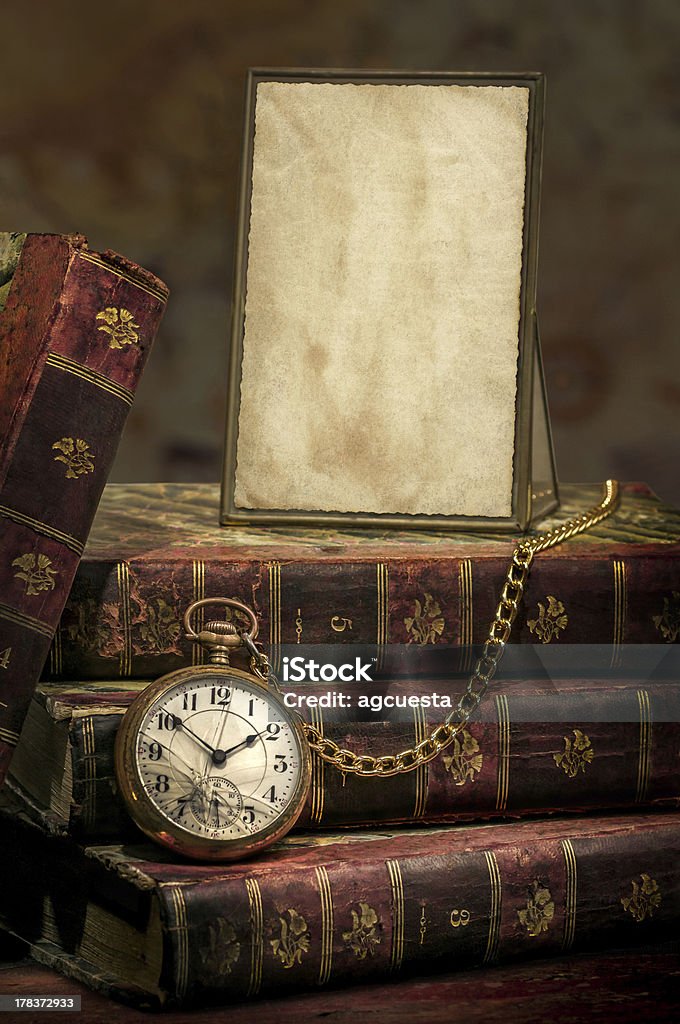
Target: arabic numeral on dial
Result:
[[165, 721], [155, 751], [270, 794], [273, 729], [189, 702], [248, 814], [280, 764], [220, 695], [162, 784]]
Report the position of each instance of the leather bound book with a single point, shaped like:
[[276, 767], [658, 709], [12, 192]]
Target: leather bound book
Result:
[[332, 909], [530, 750], [155, 548], [76, 327]]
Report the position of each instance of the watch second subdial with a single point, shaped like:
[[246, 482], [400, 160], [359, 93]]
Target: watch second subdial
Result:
[[216, 802]]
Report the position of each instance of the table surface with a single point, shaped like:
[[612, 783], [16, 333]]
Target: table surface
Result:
[[636, 985]]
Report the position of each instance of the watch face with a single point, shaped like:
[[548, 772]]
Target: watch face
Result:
[[214, 761]]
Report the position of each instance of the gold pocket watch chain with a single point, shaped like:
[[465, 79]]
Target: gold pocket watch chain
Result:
[[499, 633]]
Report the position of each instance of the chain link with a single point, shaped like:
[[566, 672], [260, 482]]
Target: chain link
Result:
[[500, 629]]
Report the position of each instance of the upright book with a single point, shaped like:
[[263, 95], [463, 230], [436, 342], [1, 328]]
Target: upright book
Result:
[[76, 327], [329, 909], [155, 548]]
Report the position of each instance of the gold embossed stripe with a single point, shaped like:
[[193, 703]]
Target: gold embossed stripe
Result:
[[466, 611], [493, 939], [382, 609], [256, 935], [326, 899], [644, 752], [275, 614], [45, 529], [90, 766], [56, 654], [318, 773], [503, 752], [125, 660], [397, 886], [198, 569], [91, 257], [91, 376], [569, 894], [9, 736], [27, 621], [620, 610], [181, 933], [421, 773]]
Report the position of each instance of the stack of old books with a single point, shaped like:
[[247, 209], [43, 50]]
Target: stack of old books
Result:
[[547, 826]]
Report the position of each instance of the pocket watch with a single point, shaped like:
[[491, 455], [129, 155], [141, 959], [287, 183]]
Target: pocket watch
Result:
[[209, 760], [212, 763]]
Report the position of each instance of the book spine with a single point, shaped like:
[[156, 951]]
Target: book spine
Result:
[[123, 619], [562, 751], [97, 329], [367, 915]]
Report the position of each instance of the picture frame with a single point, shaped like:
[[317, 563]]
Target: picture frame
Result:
[[307, 150]]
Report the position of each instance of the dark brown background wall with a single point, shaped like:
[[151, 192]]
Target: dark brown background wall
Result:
[[123, 120]]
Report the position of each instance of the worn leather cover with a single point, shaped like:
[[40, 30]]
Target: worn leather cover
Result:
[[156, 547], [75, 332], [535, 748], [328, 909]]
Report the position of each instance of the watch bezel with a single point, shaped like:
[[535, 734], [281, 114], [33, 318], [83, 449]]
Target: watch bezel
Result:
[[147, 815]]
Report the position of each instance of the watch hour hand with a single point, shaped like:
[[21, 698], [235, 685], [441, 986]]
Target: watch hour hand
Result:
[[247, 742]]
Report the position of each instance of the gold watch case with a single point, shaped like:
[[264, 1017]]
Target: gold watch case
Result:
[[162, 829]]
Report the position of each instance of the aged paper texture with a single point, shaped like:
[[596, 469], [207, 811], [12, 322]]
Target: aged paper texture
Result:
[[383, 297]]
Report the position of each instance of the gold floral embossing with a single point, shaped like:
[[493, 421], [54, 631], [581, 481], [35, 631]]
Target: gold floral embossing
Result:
[[576, 755], [465, 760], [426, 624], [644, 899], [120, 325], [76, 456], [668, 623], [362, 938], [162, 628], [539, 911], [294, 938], [37, 572], [551, 620], [84, 625], [221, 951]]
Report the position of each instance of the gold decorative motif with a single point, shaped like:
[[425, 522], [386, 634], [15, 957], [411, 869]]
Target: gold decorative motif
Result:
[[668, 623], [423, 923], [465, 759], [644, 899], [339, 623], [539, 911], [362, 938], [162, 628], [426, 624], [576, 755], [298, 627], [76, 456], [120, 325], [221, 951], [37, 572], [460, 918], [550, 622], [293, 940], [4, 663]]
